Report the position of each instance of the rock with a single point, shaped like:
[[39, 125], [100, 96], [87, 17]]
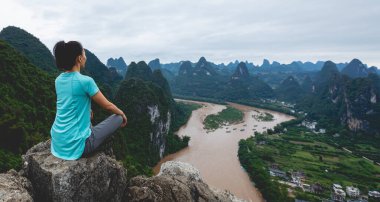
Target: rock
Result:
[[96, 178], [176, 181], [14, 187], [241, 72], [177, 168], [101, 178]]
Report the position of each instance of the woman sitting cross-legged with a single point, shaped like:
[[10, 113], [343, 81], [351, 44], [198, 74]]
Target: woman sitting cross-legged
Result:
[[72, 135]]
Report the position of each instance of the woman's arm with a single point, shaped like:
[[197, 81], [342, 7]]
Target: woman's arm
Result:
[[107, 105]]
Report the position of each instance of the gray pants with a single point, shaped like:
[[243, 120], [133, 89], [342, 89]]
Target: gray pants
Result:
[[100, 133]]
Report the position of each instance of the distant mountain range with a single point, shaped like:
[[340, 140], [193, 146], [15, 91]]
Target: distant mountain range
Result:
[[327, 93], [119, 64], [356, 69], [273, 73], [351, 101], [204, 80], [265, 67]]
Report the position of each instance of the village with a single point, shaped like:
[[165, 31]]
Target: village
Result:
[[297, 179]]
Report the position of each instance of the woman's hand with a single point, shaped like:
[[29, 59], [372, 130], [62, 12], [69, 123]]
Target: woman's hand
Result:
[[105, 104], [124, 120]]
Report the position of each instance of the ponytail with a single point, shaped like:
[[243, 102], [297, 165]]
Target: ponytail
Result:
[[66, 53]]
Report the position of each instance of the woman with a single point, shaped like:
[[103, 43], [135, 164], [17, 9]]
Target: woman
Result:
[[71, 134]]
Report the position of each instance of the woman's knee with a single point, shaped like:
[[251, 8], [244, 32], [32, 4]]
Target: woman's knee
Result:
[[118, 118]]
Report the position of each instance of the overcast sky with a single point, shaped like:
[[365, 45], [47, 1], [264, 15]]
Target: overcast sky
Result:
[[220, 30]]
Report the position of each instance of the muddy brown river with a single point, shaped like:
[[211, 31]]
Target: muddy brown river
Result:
[[214, 153]]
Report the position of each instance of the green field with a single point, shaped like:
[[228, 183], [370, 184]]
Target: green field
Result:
[[361, 145], [315, 155], [227, 116]]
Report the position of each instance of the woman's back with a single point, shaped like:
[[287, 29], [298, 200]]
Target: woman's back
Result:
[[72, 135], [72, 122]]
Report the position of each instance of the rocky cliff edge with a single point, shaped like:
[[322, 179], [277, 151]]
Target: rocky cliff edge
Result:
[[101, 178]]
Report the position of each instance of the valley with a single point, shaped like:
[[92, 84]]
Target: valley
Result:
[[214, 153]]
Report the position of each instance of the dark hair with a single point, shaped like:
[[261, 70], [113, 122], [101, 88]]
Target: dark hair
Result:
[[66, 53]]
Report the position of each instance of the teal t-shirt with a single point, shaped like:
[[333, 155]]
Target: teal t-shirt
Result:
[[72, 122]]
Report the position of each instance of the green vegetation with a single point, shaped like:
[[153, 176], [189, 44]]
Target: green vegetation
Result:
[[30, 47], [314, 154], [266, 104], [184, 110], [27, 103], [229, 115], [99, 72], [334, 93], [257, 171], [175, 143], [137, 144], [289, 90], [142, 94], [9, 160], [204, 80], [239, 89], [201, 99], [359, 144], [264, 117], [131, 146]]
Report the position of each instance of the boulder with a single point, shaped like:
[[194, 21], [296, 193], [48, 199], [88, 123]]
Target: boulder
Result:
[[99, 177], [14, 187], [177, 168], [177, 181], [95, 178]]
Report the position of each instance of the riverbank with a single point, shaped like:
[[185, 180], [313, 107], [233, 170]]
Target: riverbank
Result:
[[215, 153]]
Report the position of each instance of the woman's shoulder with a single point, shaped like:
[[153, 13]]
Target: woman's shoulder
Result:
[[85, 80], [59, 77], [83, 77]]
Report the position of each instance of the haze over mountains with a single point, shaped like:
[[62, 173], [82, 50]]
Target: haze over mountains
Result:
[[265, 66]]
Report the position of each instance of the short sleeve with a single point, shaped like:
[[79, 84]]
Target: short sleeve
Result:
[[92, 88]]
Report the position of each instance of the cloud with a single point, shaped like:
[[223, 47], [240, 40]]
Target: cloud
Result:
[[220, 30]]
